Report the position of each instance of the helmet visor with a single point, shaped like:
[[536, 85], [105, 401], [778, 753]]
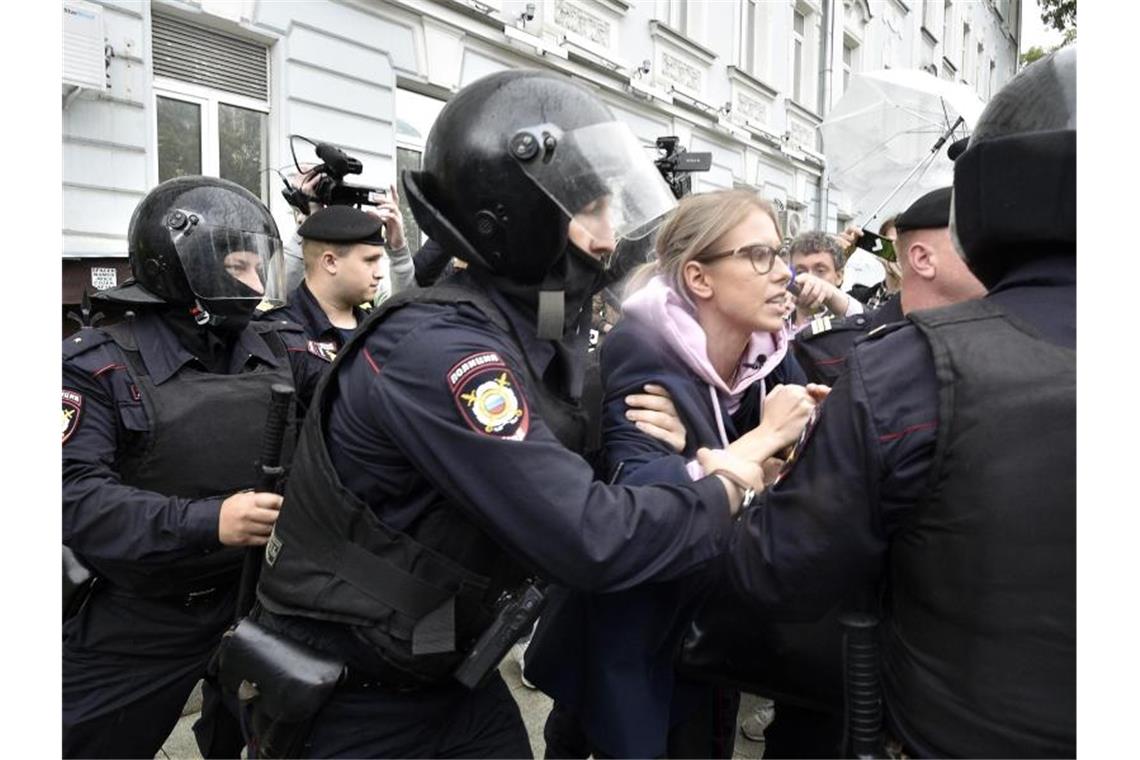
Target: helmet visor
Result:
[[223, 264], [598, 175]]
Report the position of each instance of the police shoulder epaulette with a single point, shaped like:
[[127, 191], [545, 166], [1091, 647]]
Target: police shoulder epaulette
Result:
[[882, 330], [828, 323], [84, 340]]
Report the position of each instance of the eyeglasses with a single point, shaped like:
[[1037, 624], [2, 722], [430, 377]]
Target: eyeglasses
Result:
[[761, 256]]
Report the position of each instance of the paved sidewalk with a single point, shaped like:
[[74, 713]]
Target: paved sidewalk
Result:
[[533, 704]]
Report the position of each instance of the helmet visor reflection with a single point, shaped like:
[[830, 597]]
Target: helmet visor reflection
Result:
[[223, 264], [599, 175]]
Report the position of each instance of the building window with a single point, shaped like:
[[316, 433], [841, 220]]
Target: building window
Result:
[[799, 25], [928, 10], [751, 35], [211, 104], [678, 15], [850, 51], [415, 115], [947, 29], [965, 68], [202, 131], [979, 76]]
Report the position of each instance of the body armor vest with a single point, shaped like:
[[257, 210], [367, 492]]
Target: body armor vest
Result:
[[332, 560], [980, 641], [203, 440]]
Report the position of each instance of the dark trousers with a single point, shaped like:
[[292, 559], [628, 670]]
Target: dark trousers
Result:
[[448, 721], [709, 730], [129, 665]]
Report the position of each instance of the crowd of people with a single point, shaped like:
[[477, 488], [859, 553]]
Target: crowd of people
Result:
[[745, 464]]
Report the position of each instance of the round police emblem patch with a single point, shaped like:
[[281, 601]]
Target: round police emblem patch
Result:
[[72, 407], [487, 396]]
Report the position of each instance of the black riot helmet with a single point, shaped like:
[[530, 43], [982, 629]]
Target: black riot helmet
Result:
[[205, 243], [1015, 186], [512, 157]]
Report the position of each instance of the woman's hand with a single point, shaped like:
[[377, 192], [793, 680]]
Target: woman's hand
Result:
[[654, 414], [786, 411]]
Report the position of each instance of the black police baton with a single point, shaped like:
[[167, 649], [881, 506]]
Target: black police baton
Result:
[[269, 476], [862, 686]]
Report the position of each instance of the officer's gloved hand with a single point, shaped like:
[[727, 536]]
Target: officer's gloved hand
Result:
[[247, 518]]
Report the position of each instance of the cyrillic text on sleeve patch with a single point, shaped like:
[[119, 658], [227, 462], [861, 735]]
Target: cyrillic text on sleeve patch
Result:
[[72, 407], [488, 398]]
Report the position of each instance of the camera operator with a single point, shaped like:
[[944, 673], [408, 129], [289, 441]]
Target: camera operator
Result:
[[401, 269]]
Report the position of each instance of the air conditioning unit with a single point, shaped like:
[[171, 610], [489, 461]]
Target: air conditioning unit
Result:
[[84, 60], [791, 221]]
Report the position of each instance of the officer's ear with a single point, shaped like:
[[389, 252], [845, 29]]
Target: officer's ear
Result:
[[328, 261], [920, 257]]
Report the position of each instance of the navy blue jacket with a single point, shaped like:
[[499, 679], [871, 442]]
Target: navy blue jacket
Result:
[[102, 517], [408, 434], [610, 656], [826, 526], [304, 309]]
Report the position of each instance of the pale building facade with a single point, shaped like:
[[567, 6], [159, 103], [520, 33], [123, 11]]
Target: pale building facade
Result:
[[217, 86]]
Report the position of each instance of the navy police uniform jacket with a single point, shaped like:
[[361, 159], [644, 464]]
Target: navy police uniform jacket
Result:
[[433, 411], [304, 309], [610, 656], [865, 463], [105, 519], [822, 347]]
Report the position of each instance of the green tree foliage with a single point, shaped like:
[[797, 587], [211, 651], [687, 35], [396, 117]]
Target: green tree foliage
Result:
[[1062, 16], [1032, 54]]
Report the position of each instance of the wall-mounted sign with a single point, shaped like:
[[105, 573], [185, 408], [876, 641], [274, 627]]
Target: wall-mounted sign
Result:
[[103, 278]]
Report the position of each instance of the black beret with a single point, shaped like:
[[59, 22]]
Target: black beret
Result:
[[343, 224], [928, 212]]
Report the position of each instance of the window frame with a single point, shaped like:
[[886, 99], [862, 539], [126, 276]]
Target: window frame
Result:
[[208, 99], [405, 142], [799, 47]]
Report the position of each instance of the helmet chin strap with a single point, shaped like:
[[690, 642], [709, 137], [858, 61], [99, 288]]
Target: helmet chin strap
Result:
[[551, 308], [201, 315]]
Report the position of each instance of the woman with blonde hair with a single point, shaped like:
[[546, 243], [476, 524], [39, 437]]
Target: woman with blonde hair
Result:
[[705, 321]]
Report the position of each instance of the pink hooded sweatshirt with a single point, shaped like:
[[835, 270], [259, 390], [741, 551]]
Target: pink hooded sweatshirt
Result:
[[674, 320]]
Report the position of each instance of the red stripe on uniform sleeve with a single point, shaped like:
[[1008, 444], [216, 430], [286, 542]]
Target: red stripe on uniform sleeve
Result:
[[907, 431], [108, 368]]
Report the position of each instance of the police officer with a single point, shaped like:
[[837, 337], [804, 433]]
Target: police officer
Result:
[[162, 422], [945, 459], [435, 471], [933, 275], [343, 248]]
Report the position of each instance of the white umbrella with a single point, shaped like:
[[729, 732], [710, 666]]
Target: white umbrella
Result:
[[882, 131]]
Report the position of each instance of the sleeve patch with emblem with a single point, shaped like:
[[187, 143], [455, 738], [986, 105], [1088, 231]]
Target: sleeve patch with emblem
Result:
[[72, 406], [324, 349], [488, 397], [797, 450]]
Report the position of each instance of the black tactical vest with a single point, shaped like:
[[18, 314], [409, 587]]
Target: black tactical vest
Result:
[[331, 559], [203, 440], [980, 647]]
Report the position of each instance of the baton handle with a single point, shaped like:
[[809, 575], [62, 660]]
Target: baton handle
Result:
[[269, 472], [862, 686]]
